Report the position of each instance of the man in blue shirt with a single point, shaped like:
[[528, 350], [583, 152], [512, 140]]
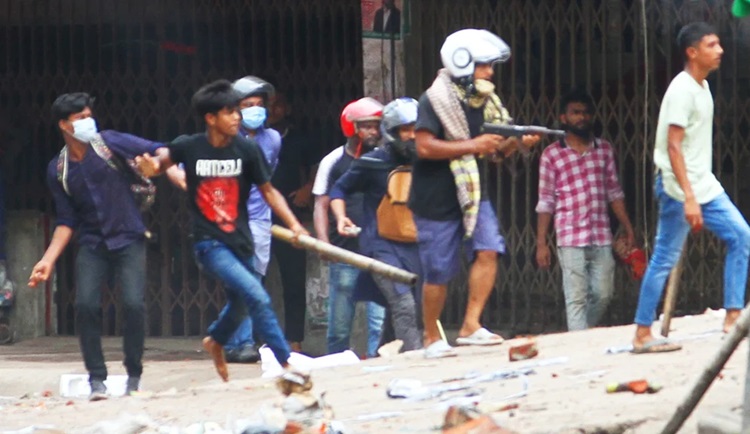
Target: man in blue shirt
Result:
[[255, 93], [95, 201]]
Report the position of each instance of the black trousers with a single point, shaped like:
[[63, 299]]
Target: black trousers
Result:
[[94, 267], [292, 267]]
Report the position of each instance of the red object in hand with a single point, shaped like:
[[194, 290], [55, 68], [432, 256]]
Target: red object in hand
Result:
[[633, 257], [637, 262]]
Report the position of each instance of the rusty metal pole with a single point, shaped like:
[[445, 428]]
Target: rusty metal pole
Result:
[[730, 343]]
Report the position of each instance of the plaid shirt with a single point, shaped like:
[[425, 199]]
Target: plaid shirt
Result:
[[576, 189]]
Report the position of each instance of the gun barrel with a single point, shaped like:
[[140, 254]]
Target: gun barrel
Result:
[[342, 255], [544, 130], [519, 130]]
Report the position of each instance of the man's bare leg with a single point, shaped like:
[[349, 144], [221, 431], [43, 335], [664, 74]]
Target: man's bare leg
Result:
[[433, 300], [642, 335], [644, 341], [481, 281], [731, 318]]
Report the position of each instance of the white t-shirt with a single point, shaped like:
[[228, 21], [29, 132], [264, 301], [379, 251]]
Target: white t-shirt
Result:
[[689, 105]]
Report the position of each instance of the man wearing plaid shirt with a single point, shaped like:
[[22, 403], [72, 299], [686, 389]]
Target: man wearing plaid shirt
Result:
[[577, 179]]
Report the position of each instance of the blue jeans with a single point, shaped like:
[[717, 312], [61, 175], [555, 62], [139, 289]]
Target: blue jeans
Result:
[[722, 218], [588, 280], [94, 267], [242, 286], [342, 279], [242, 337]]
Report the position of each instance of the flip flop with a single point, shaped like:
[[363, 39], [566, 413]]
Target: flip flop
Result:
[[481, 337], [656, 346], [439, 350]]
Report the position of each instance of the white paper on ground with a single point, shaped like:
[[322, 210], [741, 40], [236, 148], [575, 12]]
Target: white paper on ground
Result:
[[271, 367], [77, 385]]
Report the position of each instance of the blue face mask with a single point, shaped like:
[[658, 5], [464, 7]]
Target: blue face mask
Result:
[[253, 117], [85, 129]]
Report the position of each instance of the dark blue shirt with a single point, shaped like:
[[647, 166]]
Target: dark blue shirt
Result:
[[101, 207], [369, 175]]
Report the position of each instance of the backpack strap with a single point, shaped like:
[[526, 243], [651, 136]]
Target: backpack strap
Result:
[[101, 149], [62, 169]]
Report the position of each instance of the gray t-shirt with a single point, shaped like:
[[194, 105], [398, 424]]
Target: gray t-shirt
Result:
[[689, 105]]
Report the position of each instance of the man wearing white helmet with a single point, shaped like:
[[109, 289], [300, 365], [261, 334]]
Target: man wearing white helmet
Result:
[[370, 175], [448, 195]]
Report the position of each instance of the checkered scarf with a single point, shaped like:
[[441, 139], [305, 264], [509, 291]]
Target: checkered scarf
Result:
[[445, 97]]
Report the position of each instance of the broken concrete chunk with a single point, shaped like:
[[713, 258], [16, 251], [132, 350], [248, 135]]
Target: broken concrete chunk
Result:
[[526, 349], [468, 420]]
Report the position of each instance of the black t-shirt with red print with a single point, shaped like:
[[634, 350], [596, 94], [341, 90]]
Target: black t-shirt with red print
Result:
[[218, 182]]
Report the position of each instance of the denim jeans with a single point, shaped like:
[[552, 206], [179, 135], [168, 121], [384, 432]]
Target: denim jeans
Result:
[[722, 218], [341, 305], [242, 286], [242, 337], [588, 280], [94, 266]]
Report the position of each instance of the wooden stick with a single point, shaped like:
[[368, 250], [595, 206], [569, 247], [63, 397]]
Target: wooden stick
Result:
[[342, 255], [670, 298], [729, 344], [442, 332]]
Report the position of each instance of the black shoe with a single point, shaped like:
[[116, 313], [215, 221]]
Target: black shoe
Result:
[[98, 391], [232, 356], [132, 386], [246, 354]]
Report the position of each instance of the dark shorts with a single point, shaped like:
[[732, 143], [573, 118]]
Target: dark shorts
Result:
[[440, 243]]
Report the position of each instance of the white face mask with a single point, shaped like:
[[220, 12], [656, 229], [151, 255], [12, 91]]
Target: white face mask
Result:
[[84, 129]]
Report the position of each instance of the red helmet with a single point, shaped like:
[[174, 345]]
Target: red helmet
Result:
[[363, 109]]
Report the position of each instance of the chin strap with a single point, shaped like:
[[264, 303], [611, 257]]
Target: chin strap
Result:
[[358, 152]]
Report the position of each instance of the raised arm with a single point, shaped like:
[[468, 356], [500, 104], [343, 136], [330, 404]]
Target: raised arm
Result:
[[429, 147]]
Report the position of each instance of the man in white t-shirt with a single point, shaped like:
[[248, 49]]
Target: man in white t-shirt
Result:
[[689, 194]]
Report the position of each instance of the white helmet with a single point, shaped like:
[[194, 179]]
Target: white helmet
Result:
[[464, 48]]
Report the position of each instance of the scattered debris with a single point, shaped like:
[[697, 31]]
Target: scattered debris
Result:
[[589, 375], [271, 367], [523, 350], [467, 419], [125, 424], [416, 390], [36, 429], [391, 348], [636, 386]]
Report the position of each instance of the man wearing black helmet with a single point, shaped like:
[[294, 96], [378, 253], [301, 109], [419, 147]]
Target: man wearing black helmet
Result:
[[255, 93]]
